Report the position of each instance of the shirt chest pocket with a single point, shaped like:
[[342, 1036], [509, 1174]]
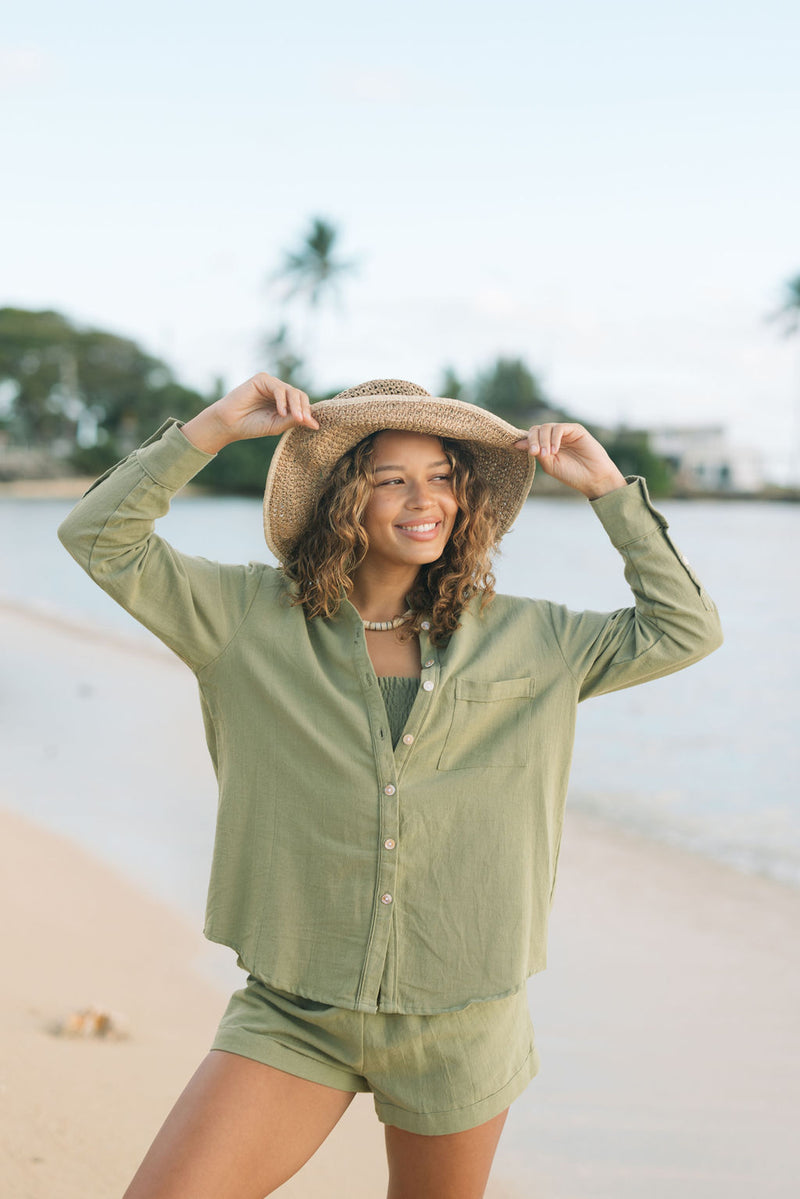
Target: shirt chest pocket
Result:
[[490, 725]]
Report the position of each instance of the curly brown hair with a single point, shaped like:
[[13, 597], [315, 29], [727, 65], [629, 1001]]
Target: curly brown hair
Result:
[[326, 554]]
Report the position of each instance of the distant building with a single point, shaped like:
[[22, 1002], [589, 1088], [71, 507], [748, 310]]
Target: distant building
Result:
[[704, 460]]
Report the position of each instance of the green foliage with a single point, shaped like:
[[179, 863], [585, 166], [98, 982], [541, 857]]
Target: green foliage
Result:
[[87, 387], [35, 357], [451, 386], [93, 460], [119, 385], [510, 390], [241, 467], [102, 395], [630, 451]]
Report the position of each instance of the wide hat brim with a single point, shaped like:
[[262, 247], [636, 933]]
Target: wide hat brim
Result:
[[304, 458]]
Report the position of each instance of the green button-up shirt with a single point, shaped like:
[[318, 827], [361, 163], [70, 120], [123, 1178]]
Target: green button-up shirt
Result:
[[412, 880]]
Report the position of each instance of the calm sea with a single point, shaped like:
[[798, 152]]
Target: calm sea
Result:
[[707, 758]]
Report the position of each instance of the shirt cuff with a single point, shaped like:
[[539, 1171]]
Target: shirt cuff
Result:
[[170, 458], [627, 512]]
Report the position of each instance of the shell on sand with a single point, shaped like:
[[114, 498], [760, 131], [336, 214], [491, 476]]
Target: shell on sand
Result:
[[94, 1021]]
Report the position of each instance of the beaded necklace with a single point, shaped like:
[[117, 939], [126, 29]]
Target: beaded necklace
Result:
[[383, 626]]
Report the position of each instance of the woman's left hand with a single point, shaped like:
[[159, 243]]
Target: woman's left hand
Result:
[[570, 454]]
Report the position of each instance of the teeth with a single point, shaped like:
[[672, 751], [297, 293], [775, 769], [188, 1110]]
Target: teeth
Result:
[[419, 528]]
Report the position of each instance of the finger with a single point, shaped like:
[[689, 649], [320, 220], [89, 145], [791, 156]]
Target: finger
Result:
[[299, 405], [307, 416], [281, 401], [295, 404], [545, 439], [265, 384], [571, 433]]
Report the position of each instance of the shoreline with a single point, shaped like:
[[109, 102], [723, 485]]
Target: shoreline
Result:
[[72, 487]]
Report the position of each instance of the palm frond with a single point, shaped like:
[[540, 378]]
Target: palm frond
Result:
[[789, 311], [312, 269]]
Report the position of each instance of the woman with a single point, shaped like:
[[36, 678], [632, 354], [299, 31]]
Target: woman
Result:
[[392, 742]]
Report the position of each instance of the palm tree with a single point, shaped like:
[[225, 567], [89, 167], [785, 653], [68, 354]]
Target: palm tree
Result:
[[313, 269], [790, 309], [311, 273]]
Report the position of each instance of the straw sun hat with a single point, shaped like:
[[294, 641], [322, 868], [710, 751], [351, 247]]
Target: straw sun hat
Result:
[[304, 457]]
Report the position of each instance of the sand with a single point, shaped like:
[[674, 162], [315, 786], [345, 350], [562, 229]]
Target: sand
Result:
[[77, 1114], [68, 488], [667, 1019]]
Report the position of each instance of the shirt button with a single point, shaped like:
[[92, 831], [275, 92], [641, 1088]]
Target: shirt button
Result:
[[389, 789], [427, 685], [429, 662], [389, 843], [425, 624], [408, 739], [386, 898]]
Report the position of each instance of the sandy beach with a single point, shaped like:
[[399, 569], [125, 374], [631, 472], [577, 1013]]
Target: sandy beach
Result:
[[667, 1020], [79, 1112]]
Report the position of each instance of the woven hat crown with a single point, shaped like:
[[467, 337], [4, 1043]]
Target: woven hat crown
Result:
[[382, 387]]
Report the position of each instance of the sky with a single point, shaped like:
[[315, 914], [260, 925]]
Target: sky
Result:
[[610, 191]]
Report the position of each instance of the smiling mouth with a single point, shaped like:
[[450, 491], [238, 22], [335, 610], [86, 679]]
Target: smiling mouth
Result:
[[421, 530], [427, 526]]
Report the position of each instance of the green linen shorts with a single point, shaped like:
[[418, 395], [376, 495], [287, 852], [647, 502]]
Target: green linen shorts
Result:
[[431, 1074]]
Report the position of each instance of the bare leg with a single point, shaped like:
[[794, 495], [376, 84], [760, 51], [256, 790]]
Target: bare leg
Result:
[[453, 1166], [238, 1131]]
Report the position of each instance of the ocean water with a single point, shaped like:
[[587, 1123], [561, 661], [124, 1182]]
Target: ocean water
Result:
[[707, 758]]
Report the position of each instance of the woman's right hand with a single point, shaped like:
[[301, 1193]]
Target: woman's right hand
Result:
[[262, 407]]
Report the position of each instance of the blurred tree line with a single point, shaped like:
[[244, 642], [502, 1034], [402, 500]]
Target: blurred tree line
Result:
[[509, 389], [90, 396]]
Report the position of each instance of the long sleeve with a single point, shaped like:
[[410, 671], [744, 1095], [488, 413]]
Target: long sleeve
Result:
[[194, 606], [674, 621]]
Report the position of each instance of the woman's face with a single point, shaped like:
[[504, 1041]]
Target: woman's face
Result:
[[412, 510]]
